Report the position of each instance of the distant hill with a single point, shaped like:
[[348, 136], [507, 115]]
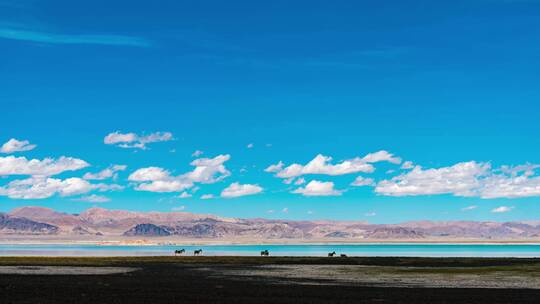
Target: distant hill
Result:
[[104, 222], [16, 225]]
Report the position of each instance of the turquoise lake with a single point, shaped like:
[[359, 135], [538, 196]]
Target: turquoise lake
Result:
[[404, 249]]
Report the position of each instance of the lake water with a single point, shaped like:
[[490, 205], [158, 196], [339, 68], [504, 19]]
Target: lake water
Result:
[[419, 250]]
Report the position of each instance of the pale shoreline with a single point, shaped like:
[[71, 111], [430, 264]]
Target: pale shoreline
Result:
[[250, 242]]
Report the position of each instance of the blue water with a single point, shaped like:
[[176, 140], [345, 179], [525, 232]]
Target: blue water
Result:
[[419, 250]]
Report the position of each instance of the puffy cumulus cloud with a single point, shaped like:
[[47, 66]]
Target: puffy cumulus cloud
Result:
[[209, 170], [469, 179], [14, 145], [407, 165], [105, 173], [513, 186], [460, 179], [237, 190], [362, 181], [158, 180], [11, 165], [93, 199], [206, 171], [322, 165], [381, 156], [318, 188], [275, 168], [149, 174], [44, 187], [502, 209], [132, 140]]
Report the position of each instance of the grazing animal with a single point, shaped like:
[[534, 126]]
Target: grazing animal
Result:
[[264, 253], [197, 252], [343, 255], [179, 251], [331, 254]]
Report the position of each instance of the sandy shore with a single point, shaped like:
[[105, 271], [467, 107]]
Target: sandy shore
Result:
[[114, 240]]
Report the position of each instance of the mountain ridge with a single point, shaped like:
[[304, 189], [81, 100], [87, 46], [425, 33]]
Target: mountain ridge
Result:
[[123, 223]]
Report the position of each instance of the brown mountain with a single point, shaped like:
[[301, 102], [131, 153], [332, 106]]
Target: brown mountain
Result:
[[17, 225], [99, 221]]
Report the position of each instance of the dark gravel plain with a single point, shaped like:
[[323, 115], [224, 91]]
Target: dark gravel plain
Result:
[[201, 280]]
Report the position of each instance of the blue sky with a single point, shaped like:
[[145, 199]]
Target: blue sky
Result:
[[450, 86]]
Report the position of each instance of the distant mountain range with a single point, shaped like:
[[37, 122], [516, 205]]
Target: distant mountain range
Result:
[[101, 223]]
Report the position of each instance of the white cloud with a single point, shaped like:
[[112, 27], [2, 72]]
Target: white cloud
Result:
[[197, 153], [45, 187], [502, 209], [370, 214], [510, 186], [288, 181], [381, 156], [469, 179], [11, 165], [362, 181], [105, 173], [275, 168], [132, 140], [322, 165], [14, 145], [469, 208], [149, 174], [250, 146], [461, 180], [184, 195], [93, 199], [407, 165], [40, 187], [317, 188], [164, 186], [209, 170], [300, 181], [179, 208], [285, 210], [310, 212], [207, 196], [237, 190]]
